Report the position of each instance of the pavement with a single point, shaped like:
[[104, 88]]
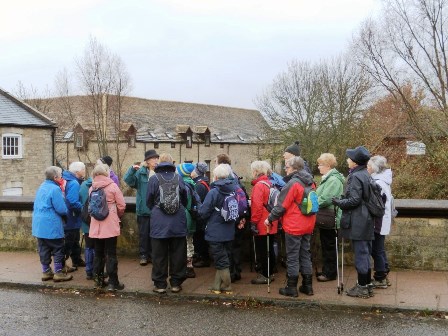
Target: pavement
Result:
[[410, 291]]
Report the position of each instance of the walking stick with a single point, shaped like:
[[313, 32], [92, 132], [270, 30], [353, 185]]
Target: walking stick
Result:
[[255, 254], [337, 249], [342, 266], [267, 244]]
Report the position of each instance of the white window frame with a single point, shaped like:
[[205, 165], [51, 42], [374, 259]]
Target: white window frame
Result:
[[79, 140], [19, 153]]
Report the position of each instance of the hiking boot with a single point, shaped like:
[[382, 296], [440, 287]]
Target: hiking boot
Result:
[[307, 284], [370, 288], [113, 288], [261, 280], [61, 276], [47, 275], [176, 289], [190, 273], [388, 282], [291, 287], [159, 290], [79, 263], [380, 283], [99, 282], [359, 291], [68, 269], [143, 261], [323, 278]]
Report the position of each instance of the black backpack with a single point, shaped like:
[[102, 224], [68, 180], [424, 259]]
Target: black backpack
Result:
[[169, 198], [375, 203]]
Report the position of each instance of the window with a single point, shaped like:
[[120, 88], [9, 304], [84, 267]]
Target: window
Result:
[[189, 141], [79, 140], [173, 145], [156, 145], [12, 146], [207, 140], [131, 141]]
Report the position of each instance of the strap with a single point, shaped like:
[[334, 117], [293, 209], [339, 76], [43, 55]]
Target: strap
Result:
[[267, 185], [205, 184]]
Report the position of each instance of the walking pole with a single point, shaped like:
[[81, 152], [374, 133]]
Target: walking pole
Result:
[[267, 244], [337, 249], [255, 254], [342, 266]]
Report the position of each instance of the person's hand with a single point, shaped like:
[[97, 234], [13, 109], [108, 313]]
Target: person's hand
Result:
[[253, 229], [335, 201], [241, 223], [136, 167], [267, 223]]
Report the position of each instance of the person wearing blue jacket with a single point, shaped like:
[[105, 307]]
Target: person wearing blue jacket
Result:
[[137, 177], [74, 177], [168, 231], [89, 251], [218, 233], [47, 225]]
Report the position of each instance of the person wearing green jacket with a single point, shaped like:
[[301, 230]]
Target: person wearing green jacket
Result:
[[331, 185], [137, 177], [89, 251]]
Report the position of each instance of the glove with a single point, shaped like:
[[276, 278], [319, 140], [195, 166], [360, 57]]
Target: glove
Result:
[[335, 201], [253, 229]]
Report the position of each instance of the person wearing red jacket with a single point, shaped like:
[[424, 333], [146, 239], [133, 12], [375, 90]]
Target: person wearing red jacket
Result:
[[259, 213], [297, 226]]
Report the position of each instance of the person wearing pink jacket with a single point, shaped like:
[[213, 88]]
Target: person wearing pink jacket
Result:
[[105, 232]]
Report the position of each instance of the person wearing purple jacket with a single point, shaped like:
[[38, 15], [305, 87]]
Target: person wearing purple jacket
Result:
[[108, 160]]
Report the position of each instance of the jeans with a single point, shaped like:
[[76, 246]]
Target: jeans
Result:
[[380, 263], [298, 255]]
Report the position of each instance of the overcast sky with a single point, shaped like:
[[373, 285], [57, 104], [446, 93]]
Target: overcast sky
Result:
[[222, 52]]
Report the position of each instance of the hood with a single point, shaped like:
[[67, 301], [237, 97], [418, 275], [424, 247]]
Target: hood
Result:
[[334, 173], [385, 176], [69, 176], [302, 175], [101, 181], [225, 186], [165, 167], [88, 182]]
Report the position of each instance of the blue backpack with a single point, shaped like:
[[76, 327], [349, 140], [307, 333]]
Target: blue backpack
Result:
[[229, 208], [98, 208], [310, 204]]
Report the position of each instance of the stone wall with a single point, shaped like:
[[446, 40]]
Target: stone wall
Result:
[[414, 242], [28, 172]]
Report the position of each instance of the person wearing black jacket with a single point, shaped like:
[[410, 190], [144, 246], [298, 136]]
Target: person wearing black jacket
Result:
[[356, 221]]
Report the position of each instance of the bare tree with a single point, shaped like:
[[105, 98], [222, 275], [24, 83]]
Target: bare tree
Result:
[[407, 46], [319, 104]]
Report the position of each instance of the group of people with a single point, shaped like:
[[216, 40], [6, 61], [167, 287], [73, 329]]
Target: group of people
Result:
[[186, 221]]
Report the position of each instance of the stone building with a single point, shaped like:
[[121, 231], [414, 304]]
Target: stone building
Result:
[[189, 132], [27, 146]]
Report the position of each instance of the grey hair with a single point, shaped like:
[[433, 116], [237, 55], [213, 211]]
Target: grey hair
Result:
[[101, 169], [222, 171], [52, 172], [296, 163], [378, 164], [76, 167], [260, 167]]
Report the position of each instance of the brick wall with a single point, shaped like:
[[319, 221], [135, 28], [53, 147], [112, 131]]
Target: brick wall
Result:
[[27, 172]]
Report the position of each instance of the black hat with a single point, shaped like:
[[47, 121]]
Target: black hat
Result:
[[107, 160], [359, 155], [151, 154], [294, 149]]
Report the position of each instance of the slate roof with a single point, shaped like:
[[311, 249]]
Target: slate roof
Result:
[[15, 112], [162, 121]]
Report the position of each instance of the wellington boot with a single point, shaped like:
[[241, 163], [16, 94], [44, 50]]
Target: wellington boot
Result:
[[291, 287], [307, 284], [226, 283], [216, 287]]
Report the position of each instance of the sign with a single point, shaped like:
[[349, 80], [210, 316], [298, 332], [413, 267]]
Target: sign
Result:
[[415, 148]]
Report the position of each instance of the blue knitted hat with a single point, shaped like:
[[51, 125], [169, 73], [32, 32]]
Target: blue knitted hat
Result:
[[185, 169]]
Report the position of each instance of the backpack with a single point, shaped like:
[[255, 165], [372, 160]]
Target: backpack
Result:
[[230, 208], [195, 201], [205, 184], [241, 198], [273, 196], [169, 198], [85, 217], [310, 204], [375, 202], [98, 208]]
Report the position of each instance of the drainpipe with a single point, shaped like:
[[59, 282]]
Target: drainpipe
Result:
[[53, 146], [180, 153], [198, 152]]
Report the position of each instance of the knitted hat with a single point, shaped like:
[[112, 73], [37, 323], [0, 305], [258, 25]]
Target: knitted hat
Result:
[[107, 160], [359, 155], [151, 154], [185, 169], [201, 168], [294, 149]]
